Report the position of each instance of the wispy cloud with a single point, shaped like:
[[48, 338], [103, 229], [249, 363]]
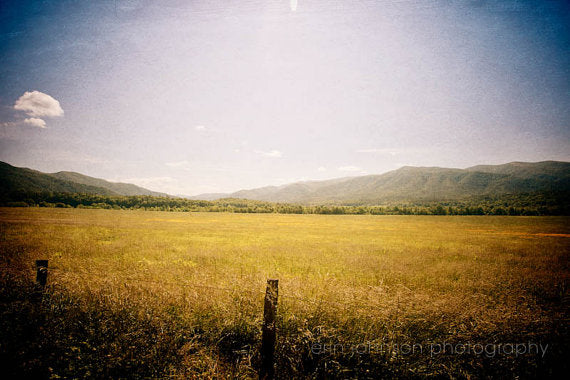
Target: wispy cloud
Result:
[[271, 153], [32, 122], [177, 164], [35, 122], [200, 128], [198, 167], [349, 168], [352, 169], [392, 152], [322, 169]]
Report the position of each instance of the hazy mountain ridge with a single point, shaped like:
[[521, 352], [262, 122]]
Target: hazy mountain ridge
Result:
[[116, 187], [407, 184], [15, 179], [421, 184]]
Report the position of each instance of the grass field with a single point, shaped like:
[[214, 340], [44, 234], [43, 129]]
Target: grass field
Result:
[[158, 294]]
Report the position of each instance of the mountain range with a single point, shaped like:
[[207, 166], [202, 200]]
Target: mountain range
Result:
[[418, 184], [407, 184]]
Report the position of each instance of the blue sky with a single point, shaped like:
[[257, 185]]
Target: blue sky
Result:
[[213, 96]]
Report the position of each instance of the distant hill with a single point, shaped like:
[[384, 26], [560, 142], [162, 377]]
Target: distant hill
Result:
[[207, 196], [115, 187], [420, 184], [14, 179]]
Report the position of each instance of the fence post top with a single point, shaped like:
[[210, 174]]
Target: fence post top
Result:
[[41, 263]]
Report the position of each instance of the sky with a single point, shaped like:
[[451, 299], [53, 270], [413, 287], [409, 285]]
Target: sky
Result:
[[190, 97]]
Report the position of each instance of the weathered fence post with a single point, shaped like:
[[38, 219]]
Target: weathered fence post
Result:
[[42, 272], [268, 336]]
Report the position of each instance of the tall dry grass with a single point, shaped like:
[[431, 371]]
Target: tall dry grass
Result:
[[180, 294]]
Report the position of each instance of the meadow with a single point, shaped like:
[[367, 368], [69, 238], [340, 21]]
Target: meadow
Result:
[[137, 294]]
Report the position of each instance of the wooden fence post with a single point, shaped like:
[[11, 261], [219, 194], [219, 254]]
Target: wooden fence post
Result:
[[42, 272], [268, 336]]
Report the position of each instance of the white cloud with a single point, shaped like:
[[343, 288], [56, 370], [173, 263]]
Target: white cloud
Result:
[[37, 104], [293, 4], [370, 151], [349, 168], [31, 121], [35, 122], [322, 169], [198, 167], [200, 128], [177, 164], [271, 153], [392, 152]]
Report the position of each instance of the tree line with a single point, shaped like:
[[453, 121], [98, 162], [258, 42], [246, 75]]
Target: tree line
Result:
[[525, 204]]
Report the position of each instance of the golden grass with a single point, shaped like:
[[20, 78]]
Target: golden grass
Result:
[[348, 279]]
